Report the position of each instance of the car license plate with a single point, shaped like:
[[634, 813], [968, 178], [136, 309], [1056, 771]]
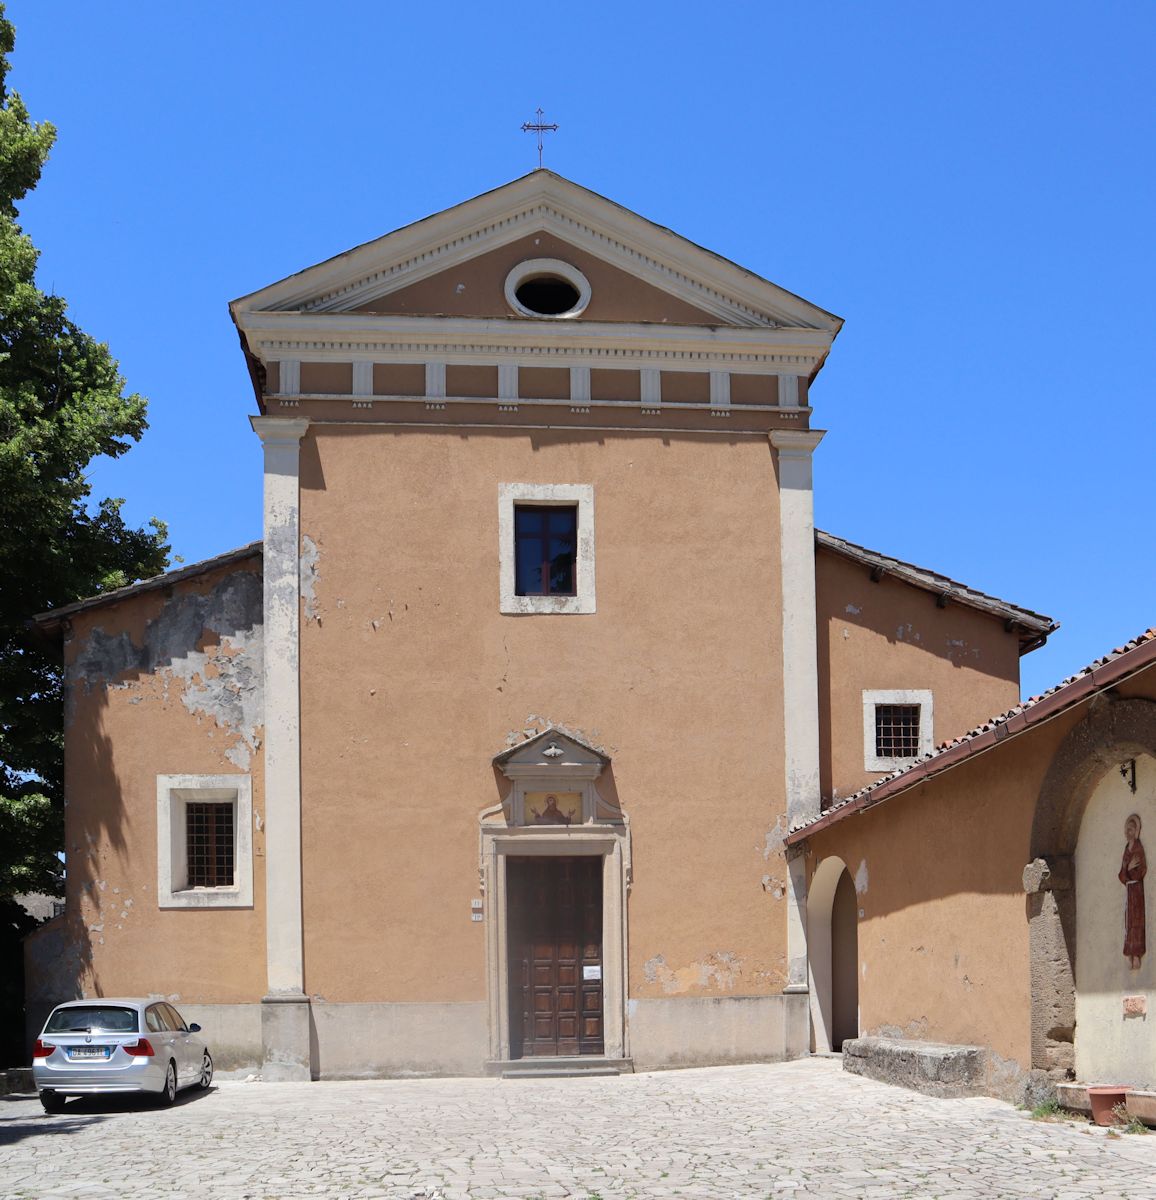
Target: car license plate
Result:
[[88, 1052]]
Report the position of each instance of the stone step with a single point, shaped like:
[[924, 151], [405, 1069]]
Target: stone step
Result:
[[575, 1067]]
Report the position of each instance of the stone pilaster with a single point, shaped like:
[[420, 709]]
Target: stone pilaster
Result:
[[285, 1012], [800, 671]]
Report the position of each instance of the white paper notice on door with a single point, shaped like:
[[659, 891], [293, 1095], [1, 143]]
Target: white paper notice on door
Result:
[[591, 972]]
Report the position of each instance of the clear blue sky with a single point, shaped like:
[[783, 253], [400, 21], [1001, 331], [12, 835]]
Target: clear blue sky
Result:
[[969, 185]]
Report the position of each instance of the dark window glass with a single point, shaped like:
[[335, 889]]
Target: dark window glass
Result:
[[545, 550], [209, 830], [83, 1018], [529, 567], [897, 730], [548, 295], [173, 1018], [154, 1020]]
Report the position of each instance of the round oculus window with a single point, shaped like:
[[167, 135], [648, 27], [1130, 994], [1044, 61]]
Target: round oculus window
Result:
[[547, 287]]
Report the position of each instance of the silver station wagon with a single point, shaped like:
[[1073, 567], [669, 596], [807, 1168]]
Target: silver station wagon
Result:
[[90, 1047]]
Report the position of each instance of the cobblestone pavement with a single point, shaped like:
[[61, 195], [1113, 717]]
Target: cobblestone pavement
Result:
[[788, 1130]]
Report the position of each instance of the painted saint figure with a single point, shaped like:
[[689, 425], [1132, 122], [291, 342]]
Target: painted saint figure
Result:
[[551, 814], [1133, 868]]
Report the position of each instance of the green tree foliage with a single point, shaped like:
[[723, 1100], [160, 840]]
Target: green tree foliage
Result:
[[62, 404]]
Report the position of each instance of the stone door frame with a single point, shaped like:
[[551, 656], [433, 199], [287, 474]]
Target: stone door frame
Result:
[[612, 845]]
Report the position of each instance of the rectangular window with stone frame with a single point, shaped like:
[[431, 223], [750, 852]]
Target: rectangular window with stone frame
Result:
[[204, 841], [546, 548], [897, 727]]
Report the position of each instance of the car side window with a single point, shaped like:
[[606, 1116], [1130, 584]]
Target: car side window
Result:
[[154, 1020], [176, 1022]]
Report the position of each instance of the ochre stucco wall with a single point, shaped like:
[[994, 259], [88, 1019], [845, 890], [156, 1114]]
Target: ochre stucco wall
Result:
[[412, 680], [943, 936], [890, 635], [131, 666]]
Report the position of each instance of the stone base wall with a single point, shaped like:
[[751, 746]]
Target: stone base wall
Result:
[[373, 1041], [233, 1035], [701, 1031], [382, 1041]]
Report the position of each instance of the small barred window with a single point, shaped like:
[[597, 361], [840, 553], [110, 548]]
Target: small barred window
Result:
[[209, 830], [897, 730]]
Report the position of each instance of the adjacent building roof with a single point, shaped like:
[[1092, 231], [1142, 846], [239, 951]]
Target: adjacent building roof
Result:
[[1106, 672], [1033, 628], [49, 622]]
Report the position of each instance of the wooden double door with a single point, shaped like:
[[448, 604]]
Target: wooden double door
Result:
[[554, 943]]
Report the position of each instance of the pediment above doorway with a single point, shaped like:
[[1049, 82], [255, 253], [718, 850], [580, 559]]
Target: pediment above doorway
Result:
[[555, 788], [553, 753]]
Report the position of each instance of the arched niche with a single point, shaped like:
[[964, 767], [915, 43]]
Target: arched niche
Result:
[[1112, 733], [1115, 991]]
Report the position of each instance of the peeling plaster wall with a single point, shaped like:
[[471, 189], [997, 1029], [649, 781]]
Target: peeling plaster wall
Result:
[[164, 682], [677, 674], [889, 635], [216, 679]]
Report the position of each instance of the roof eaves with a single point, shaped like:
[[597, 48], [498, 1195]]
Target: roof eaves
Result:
[[1108, 671], [1034, 627]]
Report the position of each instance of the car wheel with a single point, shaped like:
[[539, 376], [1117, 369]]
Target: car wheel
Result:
[[169, 1094], [206, 1072], [53, 1102]]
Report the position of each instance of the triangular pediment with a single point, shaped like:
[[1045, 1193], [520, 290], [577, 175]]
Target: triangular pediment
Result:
[[453, 263], [550, 751]]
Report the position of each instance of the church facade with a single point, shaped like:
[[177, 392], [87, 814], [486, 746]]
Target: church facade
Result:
[[485, 757]]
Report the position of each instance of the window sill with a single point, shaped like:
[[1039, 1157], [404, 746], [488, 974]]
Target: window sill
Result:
[[206, 897], [522, 605], [886, 765]]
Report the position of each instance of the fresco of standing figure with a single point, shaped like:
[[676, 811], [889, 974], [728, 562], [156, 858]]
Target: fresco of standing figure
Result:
[[1133, 868]]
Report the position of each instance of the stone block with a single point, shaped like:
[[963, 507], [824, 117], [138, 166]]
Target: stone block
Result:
[[1141, 1105], [1074, 1096], [932, 1068]]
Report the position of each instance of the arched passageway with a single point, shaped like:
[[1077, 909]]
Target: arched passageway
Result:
[[833, 955], [844, 963]]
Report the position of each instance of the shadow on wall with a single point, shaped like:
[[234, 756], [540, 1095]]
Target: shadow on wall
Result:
[[58, 955], [182, 648], [15, 925]]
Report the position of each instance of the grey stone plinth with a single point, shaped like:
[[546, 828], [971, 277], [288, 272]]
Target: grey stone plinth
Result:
[[285, 1039], [929, 1067]]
